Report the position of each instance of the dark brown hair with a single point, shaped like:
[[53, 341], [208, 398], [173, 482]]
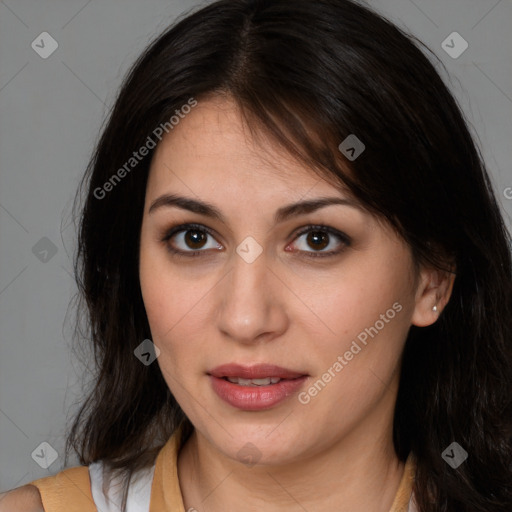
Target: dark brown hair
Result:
[[309, 73]]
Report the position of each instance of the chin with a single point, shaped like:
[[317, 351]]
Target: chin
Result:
[[261, 444]]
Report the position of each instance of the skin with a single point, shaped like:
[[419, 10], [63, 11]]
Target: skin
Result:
[[21, 499], [335, 452]]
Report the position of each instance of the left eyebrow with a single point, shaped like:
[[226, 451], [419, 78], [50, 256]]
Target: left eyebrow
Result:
[[282, 214]]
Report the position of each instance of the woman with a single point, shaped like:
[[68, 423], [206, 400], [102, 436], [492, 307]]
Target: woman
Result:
[[297, 277]]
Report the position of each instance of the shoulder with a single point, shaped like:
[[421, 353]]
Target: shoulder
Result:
[[67, 491], [22, 499]]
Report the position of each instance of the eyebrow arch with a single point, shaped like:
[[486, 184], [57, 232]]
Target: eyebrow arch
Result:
[[282, 214]]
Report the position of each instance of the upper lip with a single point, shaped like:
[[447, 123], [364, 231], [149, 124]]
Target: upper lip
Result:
[[257, 371]]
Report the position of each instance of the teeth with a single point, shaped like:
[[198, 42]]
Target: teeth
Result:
[[254, 382]]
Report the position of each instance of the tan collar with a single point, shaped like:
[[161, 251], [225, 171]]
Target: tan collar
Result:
[[403, 495], [168, 497]]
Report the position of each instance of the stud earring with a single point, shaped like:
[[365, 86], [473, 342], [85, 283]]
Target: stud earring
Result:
[[434, 309]]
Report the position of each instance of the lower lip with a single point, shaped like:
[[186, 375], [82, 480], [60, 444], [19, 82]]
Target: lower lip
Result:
[[255, 398]]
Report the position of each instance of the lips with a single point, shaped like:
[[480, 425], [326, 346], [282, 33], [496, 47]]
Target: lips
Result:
[[255, 388], [258, 371]]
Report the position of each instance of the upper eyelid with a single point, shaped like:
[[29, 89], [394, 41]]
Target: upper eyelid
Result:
[[169, 233]]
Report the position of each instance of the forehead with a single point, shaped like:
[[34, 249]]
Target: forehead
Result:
[[212, 147]]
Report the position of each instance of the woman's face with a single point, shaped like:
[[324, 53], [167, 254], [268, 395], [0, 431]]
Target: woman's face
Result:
[[331, 305]]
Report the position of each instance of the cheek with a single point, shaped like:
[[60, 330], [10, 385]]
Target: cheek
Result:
[[365, 315], [175, 305], [163, 291], [355, 297], [169, 303]]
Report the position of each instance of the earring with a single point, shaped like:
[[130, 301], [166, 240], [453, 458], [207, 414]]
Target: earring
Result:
[[434, 309]]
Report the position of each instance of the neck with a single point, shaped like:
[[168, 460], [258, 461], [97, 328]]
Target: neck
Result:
[[358, 472]]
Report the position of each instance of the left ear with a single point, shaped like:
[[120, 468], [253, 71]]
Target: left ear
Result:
[[433, 293]]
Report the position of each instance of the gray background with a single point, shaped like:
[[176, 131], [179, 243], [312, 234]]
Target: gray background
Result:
[[51, 111]]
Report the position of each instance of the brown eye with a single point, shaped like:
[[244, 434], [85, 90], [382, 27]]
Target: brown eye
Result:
[[195, 239], [317, 238], [190, 240]]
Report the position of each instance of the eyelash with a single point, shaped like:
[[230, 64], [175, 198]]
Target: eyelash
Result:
[[344, 239]]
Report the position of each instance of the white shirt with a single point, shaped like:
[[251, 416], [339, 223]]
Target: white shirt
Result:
[[139, 491]]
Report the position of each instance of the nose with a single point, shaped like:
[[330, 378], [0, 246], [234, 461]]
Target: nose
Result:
[[251, 307]]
